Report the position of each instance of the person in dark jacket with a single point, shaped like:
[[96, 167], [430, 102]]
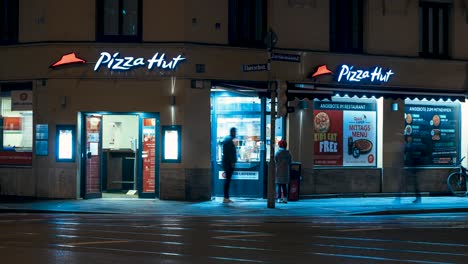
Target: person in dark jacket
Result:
[[282, 163], [229, 162]]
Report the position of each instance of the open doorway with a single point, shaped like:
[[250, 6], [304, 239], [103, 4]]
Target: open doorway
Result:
[[119, 157]]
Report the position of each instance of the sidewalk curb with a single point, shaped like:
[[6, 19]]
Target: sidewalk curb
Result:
[[413, 211], [41, 211]]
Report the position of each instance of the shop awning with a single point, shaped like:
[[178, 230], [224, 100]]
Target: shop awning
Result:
[[326, 91], [259, 89], [312, 91]]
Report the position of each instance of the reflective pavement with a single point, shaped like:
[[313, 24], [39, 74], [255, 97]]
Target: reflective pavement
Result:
[[245, 207]]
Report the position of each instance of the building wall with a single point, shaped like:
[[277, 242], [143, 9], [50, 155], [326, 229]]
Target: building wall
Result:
[[391, 40], [145, 96], [391, 27], [300, 24], [17, 182], [55, 20], [86, 90], [458, 38]]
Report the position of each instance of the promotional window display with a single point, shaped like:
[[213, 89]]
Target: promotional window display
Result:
[[432, 133], [345, 133], [149, 154], [16, 129], [42, 137]]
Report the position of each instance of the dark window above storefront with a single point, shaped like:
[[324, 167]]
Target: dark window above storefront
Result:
[[346, 26], [434, 26], [9, 21], [247, 22], [119, 20]]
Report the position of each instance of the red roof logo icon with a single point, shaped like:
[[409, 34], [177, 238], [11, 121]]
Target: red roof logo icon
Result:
[[66, 59], [321, 70]]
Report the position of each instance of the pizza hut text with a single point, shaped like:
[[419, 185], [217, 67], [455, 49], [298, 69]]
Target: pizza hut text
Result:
[[115, 62], [350, 74]]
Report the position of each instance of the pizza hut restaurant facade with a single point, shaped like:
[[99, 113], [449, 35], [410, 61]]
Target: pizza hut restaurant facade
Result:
[[373, 125], [96, 122]]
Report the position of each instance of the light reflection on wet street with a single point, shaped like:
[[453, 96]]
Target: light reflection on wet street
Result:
[[84, 238]]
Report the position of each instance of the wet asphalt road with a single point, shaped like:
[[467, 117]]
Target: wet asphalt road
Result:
[[94, 238]]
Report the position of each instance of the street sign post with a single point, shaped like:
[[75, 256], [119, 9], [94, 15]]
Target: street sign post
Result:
[[271, 40]]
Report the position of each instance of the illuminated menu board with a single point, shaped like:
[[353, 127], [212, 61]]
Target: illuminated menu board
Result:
[[345, 133], [432, 133]]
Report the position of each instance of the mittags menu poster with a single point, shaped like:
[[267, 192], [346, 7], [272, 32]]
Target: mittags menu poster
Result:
[[345, 133]]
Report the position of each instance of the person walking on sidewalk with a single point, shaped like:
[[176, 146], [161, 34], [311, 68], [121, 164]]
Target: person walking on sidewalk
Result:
[[282, 164], [229, 161], [412, 156], [398, 164]]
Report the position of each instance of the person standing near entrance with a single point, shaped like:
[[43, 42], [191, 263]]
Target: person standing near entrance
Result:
[[282, 164], [229, 161]]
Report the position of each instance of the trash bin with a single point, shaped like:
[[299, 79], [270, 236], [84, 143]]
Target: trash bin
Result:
[[295, 181]]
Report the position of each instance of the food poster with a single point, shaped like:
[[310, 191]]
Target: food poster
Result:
[[345, 133], [12, 123], [328, 136], [360, 136], [432, 133]]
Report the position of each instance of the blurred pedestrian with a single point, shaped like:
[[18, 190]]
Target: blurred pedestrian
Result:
[[229, 160], [398, 164], [413, 180], [282, 165]]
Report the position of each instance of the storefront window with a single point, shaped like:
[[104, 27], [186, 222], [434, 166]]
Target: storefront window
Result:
[[243, 104], [243, 113], [248, 136], [171, 138], [16, 132], [278, 134], [65, 142], [278, 130], [345, 132], [432, 133]]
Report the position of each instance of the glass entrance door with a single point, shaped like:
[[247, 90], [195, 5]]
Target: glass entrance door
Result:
[[243, 113], [120, 155]]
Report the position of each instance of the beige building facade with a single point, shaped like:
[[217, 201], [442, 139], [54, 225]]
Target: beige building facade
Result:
[[201, 60]]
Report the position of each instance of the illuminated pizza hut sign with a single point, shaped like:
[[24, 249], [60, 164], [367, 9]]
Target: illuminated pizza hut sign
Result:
[[117, 62], [347, 73]]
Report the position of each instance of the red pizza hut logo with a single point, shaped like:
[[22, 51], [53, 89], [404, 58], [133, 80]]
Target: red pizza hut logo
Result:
[[67, 59], [321, 70]]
